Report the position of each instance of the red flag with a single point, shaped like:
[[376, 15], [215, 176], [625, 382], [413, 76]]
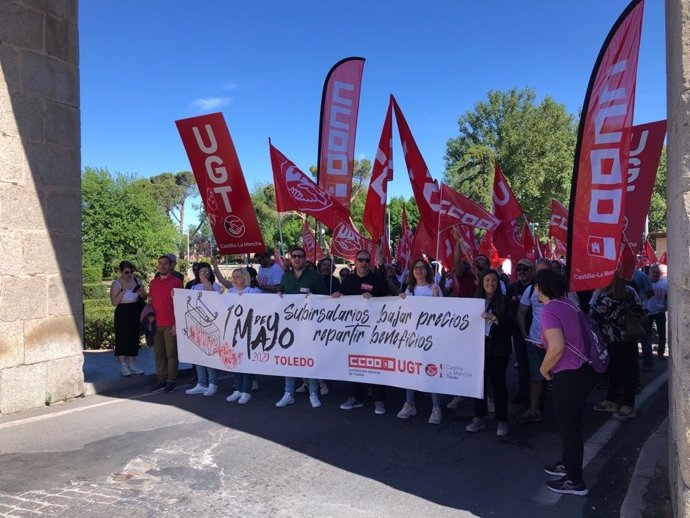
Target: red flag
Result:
[[460, 210], [425, 189], [312, 249], [423, 243], [561, 249], [648, 255], [647, 141], [402, 256], [627, 262], [507, 209], [558, 225], [529, 248], [597, 203], [218, 174], [347, 242], [339, 109], [487, 248], [662, 259], [468, 241], [296, 191], [278, 258], [382, 172]]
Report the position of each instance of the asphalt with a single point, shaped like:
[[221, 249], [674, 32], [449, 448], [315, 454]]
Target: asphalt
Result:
[[102, 376]]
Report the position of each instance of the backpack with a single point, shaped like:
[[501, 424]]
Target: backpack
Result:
[[596, 353]]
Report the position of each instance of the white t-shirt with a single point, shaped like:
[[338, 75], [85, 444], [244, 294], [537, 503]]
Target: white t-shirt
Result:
[[425, 291], [272, 275], [529, 298], [201, 287], [248, 289]]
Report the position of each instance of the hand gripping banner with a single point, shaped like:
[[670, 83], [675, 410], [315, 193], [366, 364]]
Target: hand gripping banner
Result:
[[221, 184]]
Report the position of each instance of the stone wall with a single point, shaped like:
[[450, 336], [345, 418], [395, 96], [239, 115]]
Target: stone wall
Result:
[[678, 193], [40, 208]]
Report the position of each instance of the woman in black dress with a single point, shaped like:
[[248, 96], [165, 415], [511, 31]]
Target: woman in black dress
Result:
[[127, 294]]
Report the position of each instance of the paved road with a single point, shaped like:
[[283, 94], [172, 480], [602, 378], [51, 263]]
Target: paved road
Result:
[[139, 455]]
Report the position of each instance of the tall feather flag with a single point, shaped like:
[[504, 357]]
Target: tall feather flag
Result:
[[311, 246], [597, 201], [339, 110], [377, 196]]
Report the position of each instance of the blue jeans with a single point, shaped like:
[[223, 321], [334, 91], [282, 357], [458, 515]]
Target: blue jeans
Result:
[[243, 382], [435, 398], [313, 386], [206, 375], [660, 320]]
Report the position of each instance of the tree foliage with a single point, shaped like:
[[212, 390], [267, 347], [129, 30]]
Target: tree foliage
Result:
[[171, 191], [534, 144], [121, 220], [657, 208]]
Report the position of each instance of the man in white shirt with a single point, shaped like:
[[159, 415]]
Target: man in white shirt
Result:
[[270, 274]]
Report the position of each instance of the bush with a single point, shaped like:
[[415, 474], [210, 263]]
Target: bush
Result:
[[95, 290], [99, 331], [92, 274]]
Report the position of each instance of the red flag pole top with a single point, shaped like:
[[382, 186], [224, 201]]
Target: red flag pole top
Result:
[[597, 202]]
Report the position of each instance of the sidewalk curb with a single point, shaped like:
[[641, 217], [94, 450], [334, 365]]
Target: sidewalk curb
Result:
[[115, 385], [652, 452]]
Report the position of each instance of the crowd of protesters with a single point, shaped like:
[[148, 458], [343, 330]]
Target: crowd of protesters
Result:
[[534, 320]]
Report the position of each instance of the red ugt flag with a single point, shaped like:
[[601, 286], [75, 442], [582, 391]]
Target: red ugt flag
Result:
[[311, 246], [223, 190]]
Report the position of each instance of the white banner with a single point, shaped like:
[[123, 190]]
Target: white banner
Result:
[[423, 343]]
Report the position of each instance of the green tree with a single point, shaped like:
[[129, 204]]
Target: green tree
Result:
[[171, 191], [657, 208], [120, 220], [534, 144]]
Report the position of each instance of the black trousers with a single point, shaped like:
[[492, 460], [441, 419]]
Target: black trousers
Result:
[[359, 391], [494, 373], [622, 369], [569, 395]]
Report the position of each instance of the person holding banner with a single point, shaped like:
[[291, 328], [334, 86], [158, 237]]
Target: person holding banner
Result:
[[498, 327], [566, 365], [368, 284], [207, 377], [421, 285], [300, 280], [326, 271], [241, 284]]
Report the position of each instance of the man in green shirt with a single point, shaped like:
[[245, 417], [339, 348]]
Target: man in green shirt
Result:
[[300, 280]]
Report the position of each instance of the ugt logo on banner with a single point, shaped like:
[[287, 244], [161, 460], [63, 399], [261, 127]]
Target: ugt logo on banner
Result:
[[221, 183]]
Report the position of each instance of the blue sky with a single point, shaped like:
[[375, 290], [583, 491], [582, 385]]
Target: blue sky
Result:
[[145, 64]]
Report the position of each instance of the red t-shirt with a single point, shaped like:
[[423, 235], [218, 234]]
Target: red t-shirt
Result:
[[161, 299], [466, 284]]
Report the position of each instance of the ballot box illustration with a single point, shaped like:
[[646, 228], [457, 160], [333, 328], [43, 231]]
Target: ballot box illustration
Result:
[[200, 325]]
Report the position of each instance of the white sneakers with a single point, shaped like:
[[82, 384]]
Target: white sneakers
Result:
[[476, 424], [286, 400], [199, 389], [315, 401], [407, 411], [124, 370], [436, 416], [211, 390], [455, 403], [234, 396], [134, 369]]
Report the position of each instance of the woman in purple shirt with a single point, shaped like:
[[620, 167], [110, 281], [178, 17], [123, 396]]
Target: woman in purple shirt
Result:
[[573, 378]]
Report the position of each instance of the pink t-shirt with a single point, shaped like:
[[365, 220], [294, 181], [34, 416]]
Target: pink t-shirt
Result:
[[564, 315]]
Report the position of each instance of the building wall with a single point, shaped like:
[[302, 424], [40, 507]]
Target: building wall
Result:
[[678, 196], [40, 204]]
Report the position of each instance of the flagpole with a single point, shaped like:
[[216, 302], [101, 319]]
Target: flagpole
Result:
[[438, 225], [280, 234]]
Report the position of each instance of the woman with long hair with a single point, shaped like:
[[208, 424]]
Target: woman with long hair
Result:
[[608, 314], [497, 348], [127, 295], [421, 284], [241, 284], [207, 377], [566, 364]]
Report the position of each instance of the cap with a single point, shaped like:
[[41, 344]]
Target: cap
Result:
[[526, 262], [172, 257]]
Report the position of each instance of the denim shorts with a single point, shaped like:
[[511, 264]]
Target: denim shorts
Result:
[[535, 356]]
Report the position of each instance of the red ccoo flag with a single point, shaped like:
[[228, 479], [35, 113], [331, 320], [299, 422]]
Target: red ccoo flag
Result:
[[339, 110], [597, 202], [558, 225]]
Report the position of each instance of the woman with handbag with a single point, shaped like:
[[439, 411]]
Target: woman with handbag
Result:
[[567, 365], [128, 296], [616, 312]]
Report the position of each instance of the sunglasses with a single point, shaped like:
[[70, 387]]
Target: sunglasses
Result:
[[297, 256], [363, 260], [522, 269], [126, 272]]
